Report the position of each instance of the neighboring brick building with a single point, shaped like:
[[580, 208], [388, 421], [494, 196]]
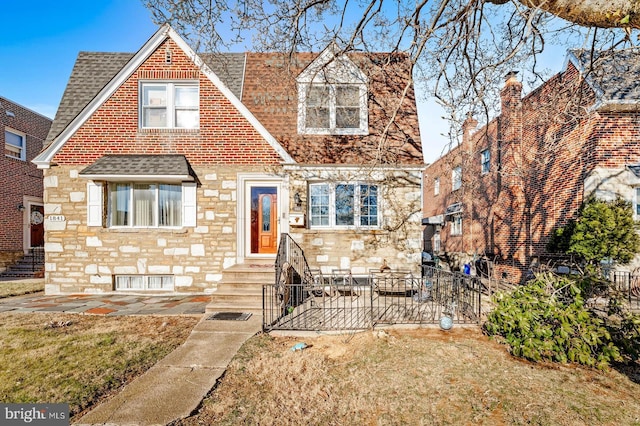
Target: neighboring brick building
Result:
[[511, 183], [165, 168], [21, 207]]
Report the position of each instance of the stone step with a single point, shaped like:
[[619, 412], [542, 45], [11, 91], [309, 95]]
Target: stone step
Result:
[[240, 289], [248, 276]]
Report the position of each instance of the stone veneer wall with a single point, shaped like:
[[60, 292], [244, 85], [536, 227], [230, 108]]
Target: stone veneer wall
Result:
[[81, 259], [399, 242]]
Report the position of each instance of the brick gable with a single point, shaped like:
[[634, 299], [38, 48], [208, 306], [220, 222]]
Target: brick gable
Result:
[[224, 137]]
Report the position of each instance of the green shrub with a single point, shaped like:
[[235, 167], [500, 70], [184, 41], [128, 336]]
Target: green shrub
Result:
[[547, 320], [604, 230]]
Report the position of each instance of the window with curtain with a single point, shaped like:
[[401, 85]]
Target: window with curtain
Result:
[[14, 144], [343, 205], [145, 205]]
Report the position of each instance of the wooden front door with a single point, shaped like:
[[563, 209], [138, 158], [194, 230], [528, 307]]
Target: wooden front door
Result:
[[264, 220], [36, 225]]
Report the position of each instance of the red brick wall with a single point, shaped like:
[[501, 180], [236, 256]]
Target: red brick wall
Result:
[[224, 136], [548, 142], [17, 177]]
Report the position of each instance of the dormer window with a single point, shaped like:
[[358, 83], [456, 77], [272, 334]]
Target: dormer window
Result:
[[169, 105], [334, 108], [332, 97]]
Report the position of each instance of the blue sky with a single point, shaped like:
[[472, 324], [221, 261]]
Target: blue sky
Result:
[[40, 40]]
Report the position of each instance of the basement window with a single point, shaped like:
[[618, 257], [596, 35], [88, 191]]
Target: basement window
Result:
[[144, 282]]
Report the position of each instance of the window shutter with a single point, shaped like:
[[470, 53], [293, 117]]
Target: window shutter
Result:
[[189, 207], [94, 203]]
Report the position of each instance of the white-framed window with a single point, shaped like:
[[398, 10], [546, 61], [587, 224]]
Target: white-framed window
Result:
[[485, 161], [145, 205], [436, 243], [15, 144], [169, 105], [456, 178], [333, 109], [343, 205], [436, 186], [122, 204], [636, 202], [456, 225], [144, 282]]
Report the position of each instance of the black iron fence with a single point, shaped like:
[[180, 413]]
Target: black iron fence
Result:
[[401, 298], [342, 301], [629, 284]]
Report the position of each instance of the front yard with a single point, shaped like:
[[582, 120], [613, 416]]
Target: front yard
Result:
[[80, 359], [393, 376], [413, 377]]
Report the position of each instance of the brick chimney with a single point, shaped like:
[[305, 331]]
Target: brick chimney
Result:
[[468, 128], [510, 128], [511, 93]]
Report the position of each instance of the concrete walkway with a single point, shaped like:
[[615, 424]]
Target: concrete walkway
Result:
[[107, 304], [174, 387]]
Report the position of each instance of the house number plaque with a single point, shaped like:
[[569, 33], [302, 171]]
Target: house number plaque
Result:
[[56, 218]]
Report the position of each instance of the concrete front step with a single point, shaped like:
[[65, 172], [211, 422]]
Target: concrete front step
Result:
[[240, 289]]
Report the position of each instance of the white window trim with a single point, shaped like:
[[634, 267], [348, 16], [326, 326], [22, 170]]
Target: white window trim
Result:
[[362, 129], [23, 149], [145, 287], [636, 202], [456, 178], [456, 225], [436, 242], [171, 108], [356, 206], [436, 186], [95, 206], [485, 161]]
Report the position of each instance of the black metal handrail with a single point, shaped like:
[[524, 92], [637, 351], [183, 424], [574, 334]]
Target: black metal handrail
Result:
[[291, 268], [37, 258]]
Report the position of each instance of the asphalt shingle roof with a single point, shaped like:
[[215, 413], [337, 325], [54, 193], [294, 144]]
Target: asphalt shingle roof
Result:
[[93, 70], [140, 165], [616, 74]]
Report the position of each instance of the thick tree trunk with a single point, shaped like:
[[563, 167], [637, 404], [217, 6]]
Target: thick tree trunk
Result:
[[590, 13]]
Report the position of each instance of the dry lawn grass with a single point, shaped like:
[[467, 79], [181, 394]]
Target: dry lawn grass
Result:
[[45, 359], [412, 377], [20, 287]]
